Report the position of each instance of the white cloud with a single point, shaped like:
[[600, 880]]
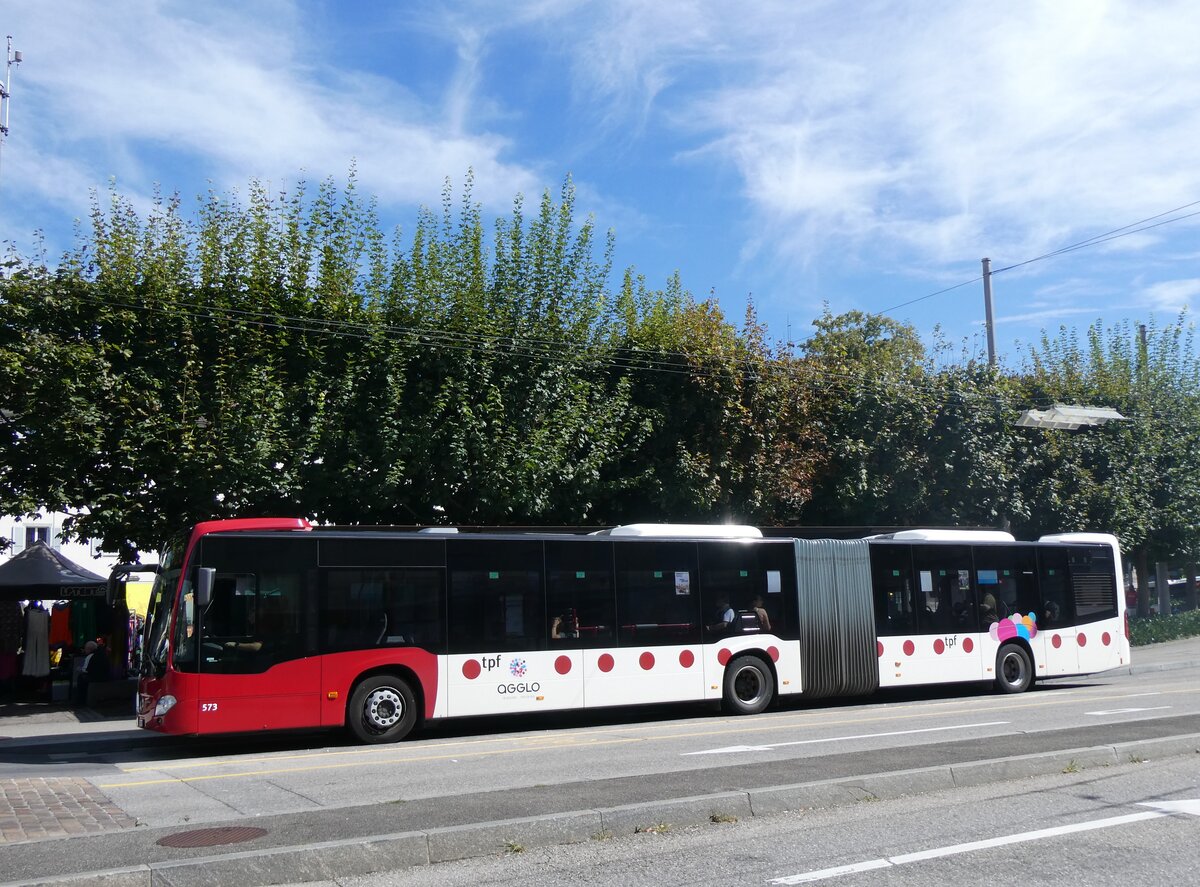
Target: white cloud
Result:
[[233, 94], [1172, 295], [941, 130], [1047, 314]]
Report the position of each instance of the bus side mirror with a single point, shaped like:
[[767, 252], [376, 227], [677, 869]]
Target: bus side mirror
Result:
[[204, 587], [119, 575]]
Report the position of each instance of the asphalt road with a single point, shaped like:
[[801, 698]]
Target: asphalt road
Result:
[[1092, 828], [190, 782], [583, 776]]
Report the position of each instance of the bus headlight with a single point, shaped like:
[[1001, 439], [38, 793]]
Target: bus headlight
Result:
[[164, 705]]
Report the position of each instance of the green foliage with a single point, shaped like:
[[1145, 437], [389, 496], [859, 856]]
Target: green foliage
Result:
[[1156, 629], [279, 354], [907, 443]]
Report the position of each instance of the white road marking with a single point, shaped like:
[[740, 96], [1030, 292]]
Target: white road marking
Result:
[[744, 748], [1164, 808], [1126, 711]]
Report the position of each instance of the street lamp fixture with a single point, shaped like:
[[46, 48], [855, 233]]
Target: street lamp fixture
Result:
[[1062, 417]]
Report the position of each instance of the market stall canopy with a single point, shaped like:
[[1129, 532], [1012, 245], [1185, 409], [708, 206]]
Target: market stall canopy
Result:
[[41, 573]]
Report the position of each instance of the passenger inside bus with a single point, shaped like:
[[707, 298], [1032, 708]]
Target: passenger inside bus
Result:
[[764, 621], [987, 609], [564, 626], [725, 616]]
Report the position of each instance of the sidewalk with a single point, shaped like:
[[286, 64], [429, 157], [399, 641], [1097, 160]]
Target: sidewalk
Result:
[[1166, 656]]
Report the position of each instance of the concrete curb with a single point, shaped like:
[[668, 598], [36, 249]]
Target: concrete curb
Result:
[[1135, 668], [389, 852]]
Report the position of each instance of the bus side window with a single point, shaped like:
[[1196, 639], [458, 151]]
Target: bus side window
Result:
[[658, 594], [497, 600], [1093, 583], [1057, 603], [580, 598], [1006, 577], [945, 603], [892, 582]]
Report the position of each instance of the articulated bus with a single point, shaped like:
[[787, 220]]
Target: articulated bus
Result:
[[265, 624]]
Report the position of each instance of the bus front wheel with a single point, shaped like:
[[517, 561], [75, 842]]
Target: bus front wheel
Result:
[[749, 686], [383, 708], [1014, 670]]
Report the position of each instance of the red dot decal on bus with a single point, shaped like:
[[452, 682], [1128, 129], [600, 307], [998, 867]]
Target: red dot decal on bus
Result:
[[562, 664], [879, 647], [1056, 641], [1106, 638], [723, 656], [968, 645], [646, 660], [687, 659], [909, 648], [773, 652], [1081, 639], [605, 662], [939, 646], [471, 669]]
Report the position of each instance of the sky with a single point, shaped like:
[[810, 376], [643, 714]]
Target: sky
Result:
[[793, 154]]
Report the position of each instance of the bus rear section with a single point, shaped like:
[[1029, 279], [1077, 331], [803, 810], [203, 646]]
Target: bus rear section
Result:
[[953, 608]]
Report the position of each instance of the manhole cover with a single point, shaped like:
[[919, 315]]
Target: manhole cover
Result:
[[211, 837]]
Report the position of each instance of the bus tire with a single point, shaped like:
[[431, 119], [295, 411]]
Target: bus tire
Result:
[[383, 708], [749, 686], [1014, 669]]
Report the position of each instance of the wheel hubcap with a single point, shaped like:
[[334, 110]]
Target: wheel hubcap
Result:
[[1014, 669], [385, 707], [748, 685]]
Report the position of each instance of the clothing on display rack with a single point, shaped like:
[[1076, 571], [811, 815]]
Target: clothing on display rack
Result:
[[10, 626], [83, 622], [37, 646], [60, 625]]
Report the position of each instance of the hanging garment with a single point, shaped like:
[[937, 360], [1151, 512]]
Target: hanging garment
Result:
[[83, 621], [10, 626], [60, 625], [37, 647]]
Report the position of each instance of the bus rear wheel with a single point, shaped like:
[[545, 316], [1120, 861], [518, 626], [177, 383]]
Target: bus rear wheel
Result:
[[383, 708], [1014, 670], [749, 686]]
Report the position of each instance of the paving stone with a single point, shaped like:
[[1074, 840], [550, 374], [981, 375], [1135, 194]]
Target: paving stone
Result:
[[33, 809]]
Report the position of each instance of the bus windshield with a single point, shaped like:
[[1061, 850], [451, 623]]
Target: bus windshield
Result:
[[158, 610]]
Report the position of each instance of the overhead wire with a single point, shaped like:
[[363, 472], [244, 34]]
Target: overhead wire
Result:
[[1106, 237], [630, 358], [816, 377]]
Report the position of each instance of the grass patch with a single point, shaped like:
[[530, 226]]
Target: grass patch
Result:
[[722, 817], [1072, 767], [513, 847], [604, 835], [1156, 629], [659, 828]]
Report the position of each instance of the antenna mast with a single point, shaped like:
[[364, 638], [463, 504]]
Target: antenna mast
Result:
[[12, 58]]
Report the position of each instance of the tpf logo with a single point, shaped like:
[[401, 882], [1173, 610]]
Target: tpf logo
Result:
[[517, 668]]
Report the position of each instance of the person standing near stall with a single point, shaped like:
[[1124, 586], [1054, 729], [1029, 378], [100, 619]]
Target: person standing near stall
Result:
[[95, 670]]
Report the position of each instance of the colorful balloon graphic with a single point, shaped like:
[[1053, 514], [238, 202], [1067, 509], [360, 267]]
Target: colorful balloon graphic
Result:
[[1015, 626]]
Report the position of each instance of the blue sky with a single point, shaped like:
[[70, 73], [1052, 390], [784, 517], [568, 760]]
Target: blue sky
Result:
[[861, 154]]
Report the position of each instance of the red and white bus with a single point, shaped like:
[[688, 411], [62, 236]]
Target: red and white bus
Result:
[[265, 624]]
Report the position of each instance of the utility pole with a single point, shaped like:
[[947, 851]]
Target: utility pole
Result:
[[12, 58], [987, 310], [1141, 562]]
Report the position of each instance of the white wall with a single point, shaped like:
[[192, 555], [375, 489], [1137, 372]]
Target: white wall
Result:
[[86, 554]]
